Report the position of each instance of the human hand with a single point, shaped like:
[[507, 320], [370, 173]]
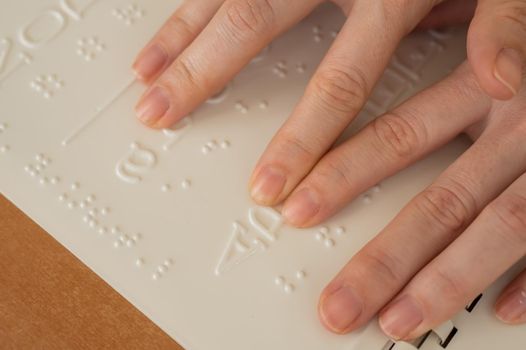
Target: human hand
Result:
[[181, 60], [454, 238], [180, 64]]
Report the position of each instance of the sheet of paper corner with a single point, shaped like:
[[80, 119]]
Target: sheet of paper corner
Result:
[[164, 217]]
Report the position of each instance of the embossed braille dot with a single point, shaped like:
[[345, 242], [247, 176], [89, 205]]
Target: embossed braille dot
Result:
[[75, 186], [240, 106], [72, 205], [156, 276], [117, 244], [225, 144], [300, 275], [340, 230], [161, 269], [168, 262], [63, 197], [329, 243], [139, 262], [4, 149], [186, 184], [319, 236], [279, 280], [367, 199], [105, 211], [166, 188], [289, 288], [103, 230], [324, 230], [90, 199], [115, 230], [130, 243], [44, 180], [55, 180], [93, 223]]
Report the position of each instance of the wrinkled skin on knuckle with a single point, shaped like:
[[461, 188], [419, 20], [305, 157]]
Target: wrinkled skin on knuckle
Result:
[[513, 11], [249, 19], [335, 168], [510, 213], [396, 136], [447, 285], [445, 207], [340, 91]]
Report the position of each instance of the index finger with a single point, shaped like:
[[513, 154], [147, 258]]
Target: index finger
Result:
[[335, 95]]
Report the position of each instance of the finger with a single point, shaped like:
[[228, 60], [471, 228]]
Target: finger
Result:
[[386, 146], [511, 305], [335, 95], [427, 225], [492, 244], [450, 12], [497, 46], [175, 35], [237, 33]]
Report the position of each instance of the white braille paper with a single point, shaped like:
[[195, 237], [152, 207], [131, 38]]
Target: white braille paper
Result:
[[164, 216]]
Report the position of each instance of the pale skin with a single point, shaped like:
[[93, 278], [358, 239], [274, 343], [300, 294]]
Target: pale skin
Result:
[[433, 249]]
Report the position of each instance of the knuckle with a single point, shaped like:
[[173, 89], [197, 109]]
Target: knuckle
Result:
[[513, 11], [297, 148], [179, 25], [336, 168], [510, 213], [398, 136], [184, 71], [344, 91], [382, 265], [448, 285], [249, 18], [451, 207]]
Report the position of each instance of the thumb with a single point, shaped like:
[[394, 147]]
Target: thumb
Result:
[[497, 46]]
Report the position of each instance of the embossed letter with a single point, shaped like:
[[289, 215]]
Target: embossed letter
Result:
[[5, 49], [42, 29], [269, 228], [138, 161], [76, 8]]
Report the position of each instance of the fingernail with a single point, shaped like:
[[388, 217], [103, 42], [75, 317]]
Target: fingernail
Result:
[[340, 309], [268, 185], [400, 319], [512, 308], [508, 69], [150, 62], [153, 106], [301, 207]]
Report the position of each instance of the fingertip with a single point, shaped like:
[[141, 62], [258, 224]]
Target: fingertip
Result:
[[510, 308], [150, 62], [339, 309], [267, 185], [508, 70], [153, 106]]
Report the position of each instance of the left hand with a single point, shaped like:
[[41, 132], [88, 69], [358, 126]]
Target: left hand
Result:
[[454, 238]]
